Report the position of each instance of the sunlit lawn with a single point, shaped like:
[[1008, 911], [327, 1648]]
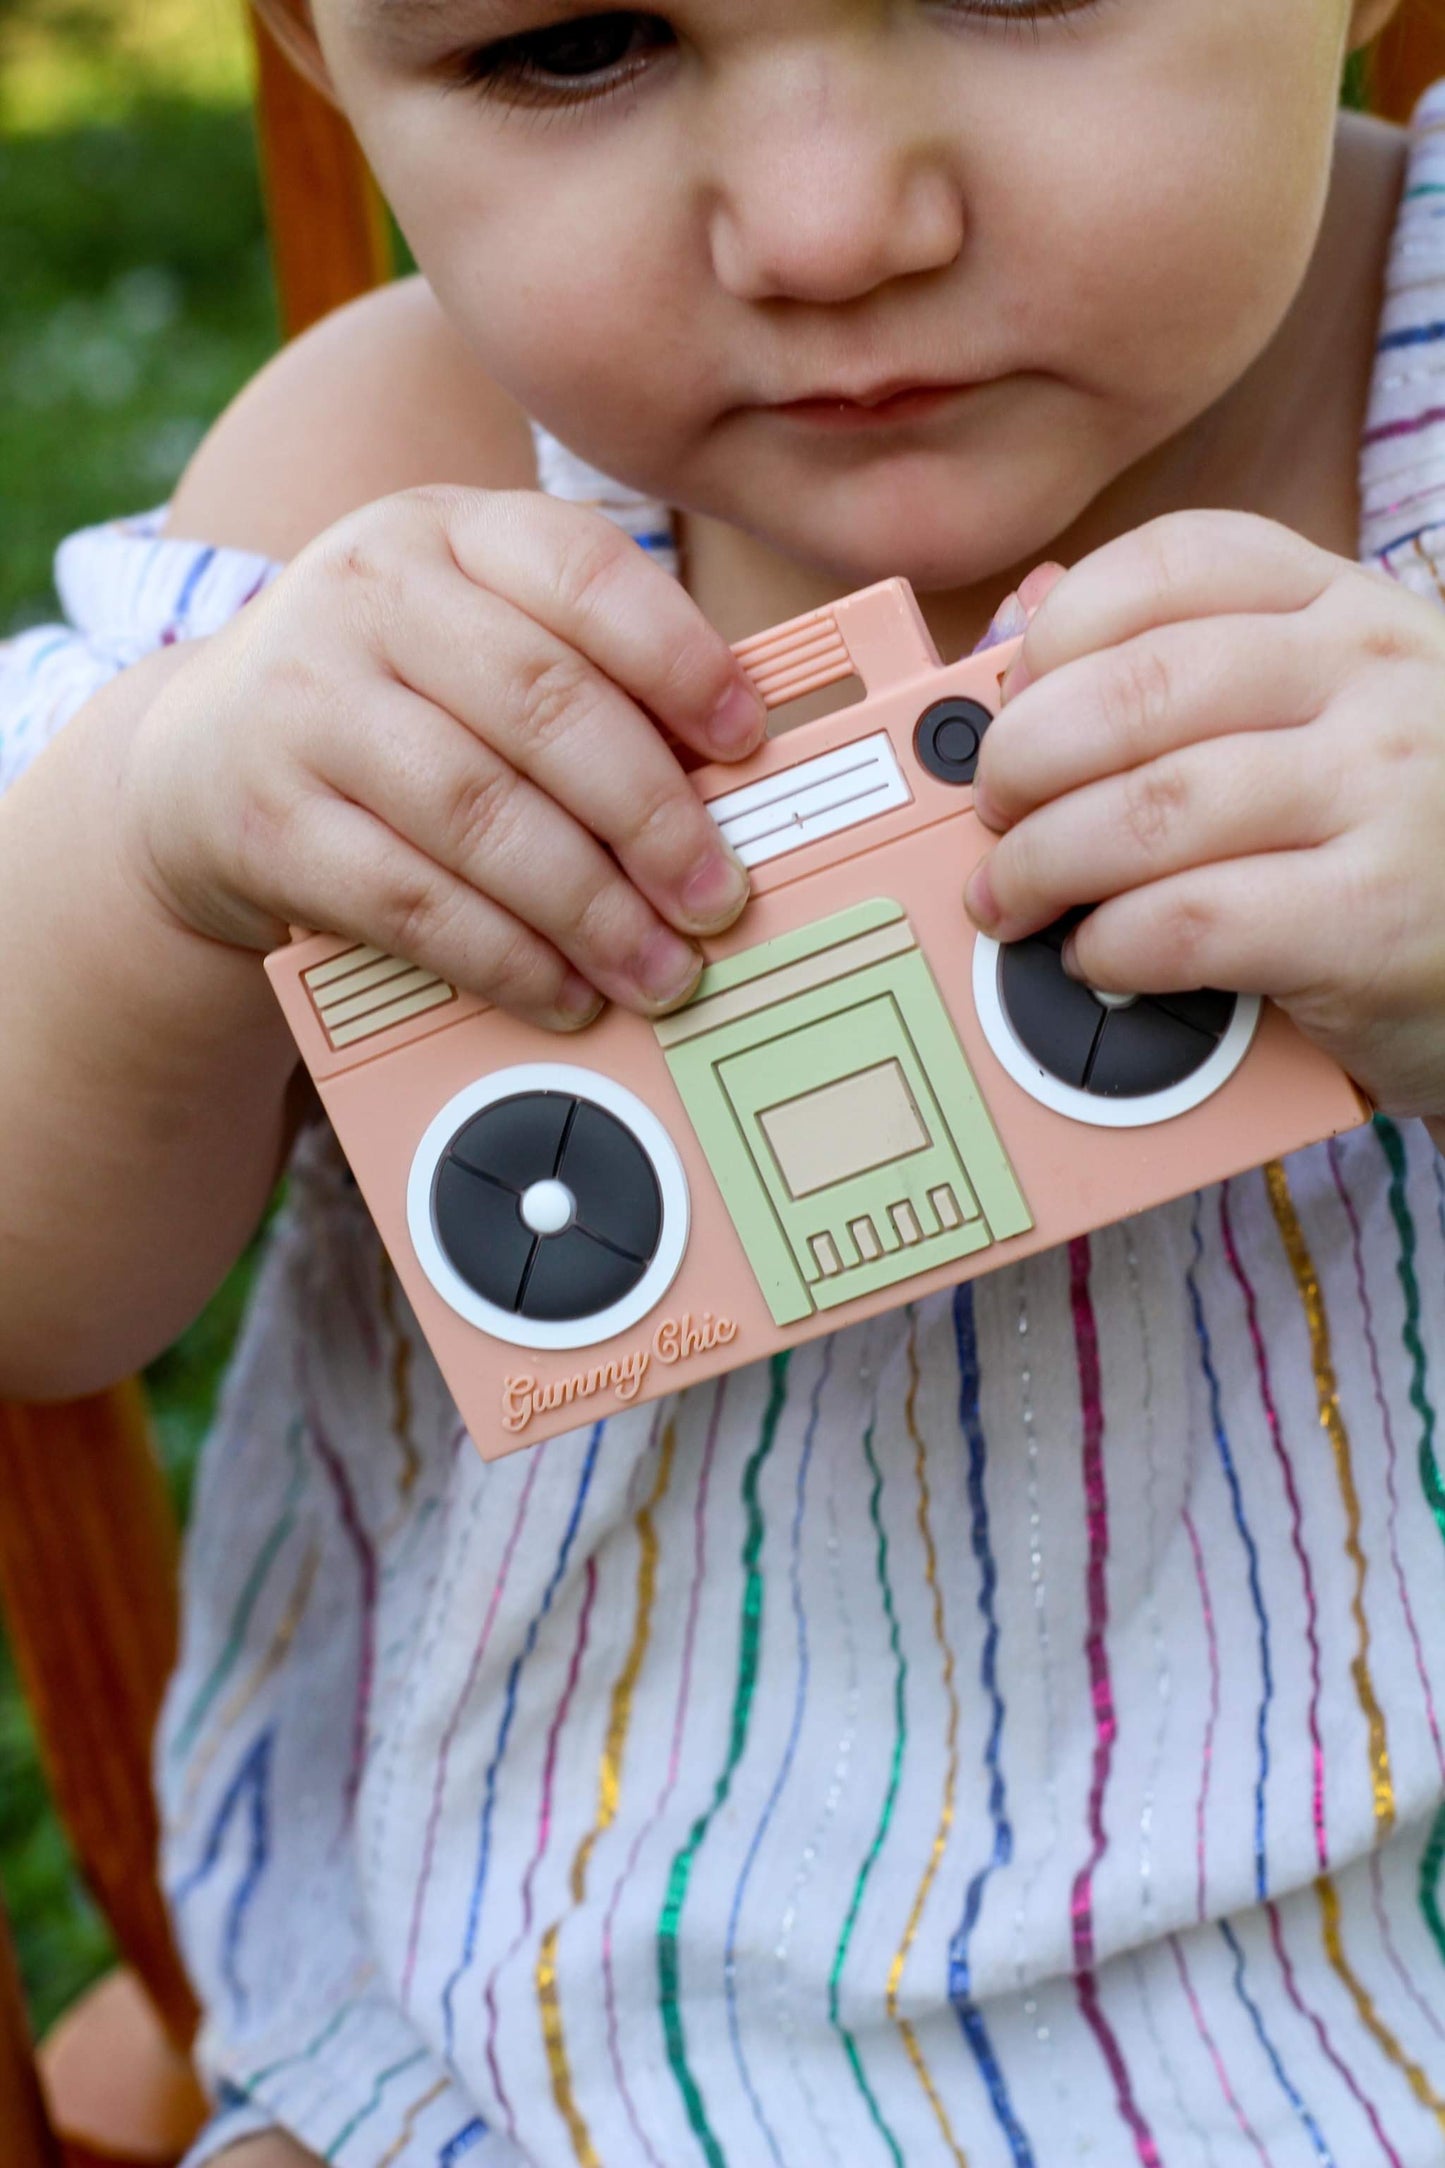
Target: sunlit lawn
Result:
[[134, 299]]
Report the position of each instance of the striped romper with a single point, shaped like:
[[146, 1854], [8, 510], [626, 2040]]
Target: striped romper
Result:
[[1005, 1732]]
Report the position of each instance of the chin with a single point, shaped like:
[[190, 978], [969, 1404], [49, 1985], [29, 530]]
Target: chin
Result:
[[941, 537]]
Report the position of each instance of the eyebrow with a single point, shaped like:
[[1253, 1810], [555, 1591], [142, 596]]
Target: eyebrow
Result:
[[493, 17], [503, 12]]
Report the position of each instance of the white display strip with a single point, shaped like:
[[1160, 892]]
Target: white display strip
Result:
[[816, 798]]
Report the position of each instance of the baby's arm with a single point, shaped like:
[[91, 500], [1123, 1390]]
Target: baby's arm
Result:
[[433, 732], [143, 1077], [272, 2151], [148, 1086]]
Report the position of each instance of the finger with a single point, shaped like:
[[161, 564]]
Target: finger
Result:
[[1036, 586], [552, 714], [1013, 613], [1202, 804], [1188, 564], [575, 572], [467, 810], [356, 876], [1123, 706], [1263, 925]]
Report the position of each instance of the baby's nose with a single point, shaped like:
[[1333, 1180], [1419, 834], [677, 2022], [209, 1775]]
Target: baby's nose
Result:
[[829, 197]]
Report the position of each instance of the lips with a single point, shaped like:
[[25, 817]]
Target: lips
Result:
[[881, 395], [887, 405]]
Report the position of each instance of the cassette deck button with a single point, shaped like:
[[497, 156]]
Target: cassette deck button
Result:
[[1144, 1049], [1054, 1016], [612, 1181], [575, 1276], [1110, 1046], [518, 1141], [1206, 1009], [481, 1231]]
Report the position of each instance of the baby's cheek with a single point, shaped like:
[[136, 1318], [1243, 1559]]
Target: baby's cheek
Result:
[[1169, 220]]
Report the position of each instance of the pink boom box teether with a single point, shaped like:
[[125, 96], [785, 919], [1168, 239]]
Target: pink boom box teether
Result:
[[863, 1101]]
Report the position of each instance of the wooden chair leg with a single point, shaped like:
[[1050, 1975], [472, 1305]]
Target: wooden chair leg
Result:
[[1408, 59], [88, 1581], [26, 2140], [329, 238]]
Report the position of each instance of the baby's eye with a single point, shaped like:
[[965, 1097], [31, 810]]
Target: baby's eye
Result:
[[568, 62]]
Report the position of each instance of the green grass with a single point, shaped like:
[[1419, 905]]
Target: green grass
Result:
[[136, 300]]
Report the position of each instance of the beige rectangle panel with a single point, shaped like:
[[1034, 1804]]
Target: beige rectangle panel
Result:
[[865, 1234], [844, 1128], [905, 1220], [945, 1204]]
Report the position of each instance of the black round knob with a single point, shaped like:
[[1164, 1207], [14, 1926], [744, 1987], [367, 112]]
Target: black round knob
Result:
[[947, 738], [488, 1188], [1149, 1045]]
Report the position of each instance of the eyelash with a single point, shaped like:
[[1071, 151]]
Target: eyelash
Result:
[[511, 70]]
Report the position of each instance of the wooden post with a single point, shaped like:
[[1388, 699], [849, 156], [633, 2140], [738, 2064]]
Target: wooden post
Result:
[[329, 236], [88, 1563], [1408, 59], [26, 2140]]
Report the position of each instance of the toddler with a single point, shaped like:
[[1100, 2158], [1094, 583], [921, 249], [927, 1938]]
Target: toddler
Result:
[[1005, 1732]]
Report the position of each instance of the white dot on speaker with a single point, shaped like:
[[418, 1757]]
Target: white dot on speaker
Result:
[[548, 1207]]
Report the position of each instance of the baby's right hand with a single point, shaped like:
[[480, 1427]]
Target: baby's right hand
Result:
[[436, 732]]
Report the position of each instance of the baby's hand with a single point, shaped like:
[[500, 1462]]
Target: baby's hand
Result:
[[437, 732], [1234, 743]]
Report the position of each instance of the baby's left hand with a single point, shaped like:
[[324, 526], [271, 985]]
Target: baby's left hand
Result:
[[1234, 743]]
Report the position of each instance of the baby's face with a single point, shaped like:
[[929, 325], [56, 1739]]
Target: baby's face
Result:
[[658, 230]]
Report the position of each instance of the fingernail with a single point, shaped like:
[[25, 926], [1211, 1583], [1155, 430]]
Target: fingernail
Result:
[[579, 1001], [979, 901], [739, 719], [1036, 586], [1068, 957], [716, 889], [1009, 620], [666, 968]]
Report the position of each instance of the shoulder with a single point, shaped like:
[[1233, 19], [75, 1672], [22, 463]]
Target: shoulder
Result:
[[378, 397], [1372, 158]]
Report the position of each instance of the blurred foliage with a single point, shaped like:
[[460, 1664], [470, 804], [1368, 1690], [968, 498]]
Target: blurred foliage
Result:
[[135, 300], [72, 63], [1357, 82], [61, 1938]]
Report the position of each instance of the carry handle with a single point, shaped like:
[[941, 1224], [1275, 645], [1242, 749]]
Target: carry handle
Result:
[[877, 635]]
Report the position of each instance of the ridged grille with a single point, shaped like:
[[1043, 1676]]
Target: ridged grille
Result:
[[363, 991]]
